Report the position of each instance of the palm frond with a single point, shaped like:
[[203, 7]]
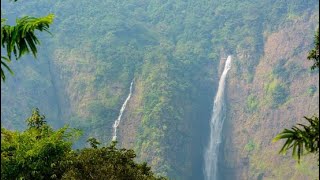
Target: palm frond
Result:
[[3, 63], [300, 138], [21, 39]]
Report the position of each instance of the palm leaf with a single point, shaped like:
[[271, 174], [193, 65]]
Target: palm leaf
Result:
[[21, 39], [3, 63], [300, 138]]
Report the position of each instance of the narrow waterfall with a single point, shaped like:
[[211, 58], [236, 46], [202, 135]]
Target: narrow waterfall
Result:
[[217, 119], [117, 122]]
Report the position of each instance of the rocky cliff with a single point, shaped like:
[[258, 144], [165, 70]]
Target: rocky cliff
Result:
[[174, 50]]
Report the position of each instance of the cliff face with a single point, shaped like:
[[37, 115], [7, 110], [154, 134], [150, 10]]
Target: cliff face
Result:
[[175, 51], [256, 116]]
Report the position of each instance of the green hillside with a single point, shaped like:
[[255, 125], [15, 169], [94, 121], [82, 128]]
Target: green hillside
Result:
[[174, 51]]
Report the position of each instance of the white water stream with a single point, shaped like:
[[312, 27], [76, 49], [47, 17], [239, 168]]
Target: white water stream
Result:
[[217, 119], [117, 122]]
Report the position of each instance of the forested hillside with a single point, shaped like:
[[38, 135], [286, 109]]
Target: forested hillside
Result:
[[174, 50]]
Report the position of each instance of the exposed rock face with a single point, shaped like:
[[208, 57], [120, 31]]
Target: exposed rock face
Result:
[[172, 49], [248, 152], [131, 118]]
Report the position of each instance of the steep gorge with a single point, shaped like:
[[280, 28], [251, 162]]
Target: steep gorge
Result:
[[173, 50]]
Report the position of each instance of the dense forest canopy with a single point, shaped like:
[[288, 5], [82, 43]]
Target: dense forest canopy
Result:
[[173, 50], [40, 152]]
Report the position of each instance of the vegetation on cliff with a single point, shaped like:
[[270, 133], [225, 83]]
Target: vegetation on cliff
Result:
[[301, 138], [43, 153], [172, 49]]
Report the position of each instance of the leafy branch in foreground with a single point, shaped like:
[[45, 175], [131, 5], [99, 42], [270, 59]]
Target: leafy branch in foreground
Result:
[[301, 137], [40, 152], [314, 53], [20, 39]]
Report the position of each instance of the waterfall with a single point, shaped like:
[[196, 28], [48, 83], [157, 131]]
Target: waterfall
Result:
[[117, 121], [217, 119]]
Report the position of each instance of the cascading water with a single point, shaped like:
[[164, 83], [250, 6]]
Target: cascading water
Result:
[[117, 122], [217, 119]]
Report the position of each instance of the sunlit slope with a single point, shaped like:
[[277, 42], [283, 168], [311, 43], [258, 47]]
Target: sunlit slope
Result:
[[283, 90]]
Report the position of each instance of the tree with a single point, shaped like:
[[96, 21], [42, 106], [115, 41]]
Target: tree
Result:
[[314, 53], [93, 142], [36, 120], [40, 152], [108, 163], [305, 138], [20, 39]]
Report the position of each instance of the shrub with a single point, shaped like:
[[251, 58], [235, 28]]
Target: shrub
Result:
[[278, 93], [250, 146], [252, 103], [311, 90]]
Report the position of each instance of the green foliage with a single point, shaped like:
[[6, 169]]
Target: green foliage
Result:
[[252, 103], [279, 95], [93, 142], [36, 153], [172, 48], [280, 71], [107, 163], [4, 61], [311, 90], [250, 146], [43, 153], [287, 71], [36, 120], [20, 39], [277, 92], [305, 137], [300, 138], [314, 53]]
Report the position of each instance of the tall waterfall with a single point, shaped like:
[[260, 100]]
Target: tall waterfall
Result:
[[217, 119], [117, 122]]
